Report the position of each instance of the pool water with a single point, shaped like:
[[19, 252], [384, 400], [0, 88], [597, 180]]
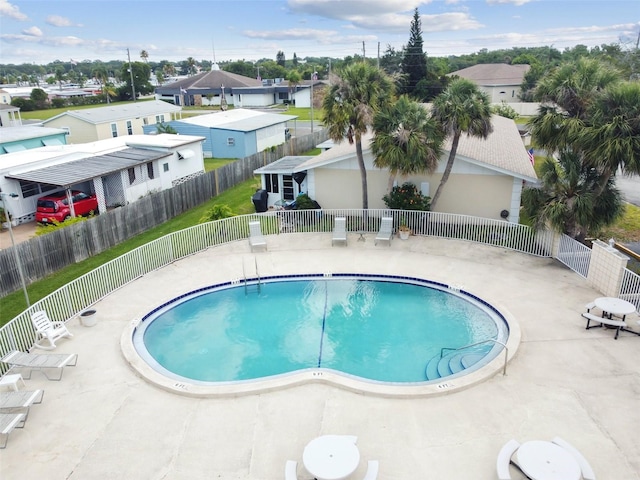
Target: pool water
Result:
[[375, 329]]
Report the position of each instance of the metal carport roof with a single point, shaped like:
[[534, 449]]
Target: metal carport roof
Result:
[[77, 171]]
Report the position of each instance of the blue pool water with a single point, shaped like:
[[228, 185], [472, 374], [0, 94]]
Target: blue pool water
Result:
[[382, 329]]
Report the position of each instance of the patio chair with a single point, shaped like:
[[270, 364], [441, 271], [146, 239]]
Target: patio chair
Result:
[[587, 471], [9, 421], [290, 470], [19, 402], [40, 361], [256, 239], [372, 470], [504, 459], [386, 231], [48, 331], [339, 231]]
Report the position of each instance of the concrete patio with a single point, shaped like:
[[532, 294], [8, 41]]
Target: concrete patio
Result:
[[102, 421]]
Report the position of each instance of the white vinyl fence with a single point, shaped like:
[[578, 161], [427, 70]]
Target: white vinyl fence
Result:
[[574, 255]]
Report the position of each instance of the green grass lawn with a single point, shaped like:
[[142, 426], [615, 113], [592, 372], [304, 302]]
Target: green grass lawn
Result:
[[52, 112], [213, 163]]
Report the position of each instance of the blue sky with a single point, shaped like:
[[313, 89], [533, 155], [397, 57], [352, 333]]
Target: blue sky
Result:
[[33, 31]]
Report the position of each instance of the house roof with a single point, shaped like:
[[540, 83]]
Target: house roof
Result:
[[119, 112], [493, 74], [502, 151], [212, 80], [26, 132], [238, 119], [8, 108], [285, 165], [83, 169]]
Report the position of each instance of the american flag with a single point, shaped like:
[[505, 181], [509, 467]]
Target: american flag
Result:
[[531, 157], [182, 90]]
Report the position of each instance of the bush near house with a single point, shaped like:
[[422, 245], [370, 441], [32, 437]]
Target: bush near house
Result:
[[407, 197]]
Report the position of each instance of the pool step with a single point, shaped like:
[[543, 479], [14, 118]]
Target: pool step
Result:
[[450, 364], [431, 372]]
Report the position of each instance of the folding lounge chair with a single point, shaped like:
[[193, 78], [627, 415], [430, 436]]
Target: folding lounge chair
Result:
[[9, 421], [504, 459], [587, 471], [386, 231], [19, 402], [256, 239], [49, 331], [290, 470], [339, 231], [372, 470], [40, 361]]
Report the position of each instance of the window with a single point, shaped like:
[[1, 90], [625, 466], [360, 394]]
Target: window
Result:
[[271, 179], [132, 175], [165, 167], [159, 118], [287, 188], [231, 141], [283, 95], [29, 189], [114, 130], [150, 170], [145, 121], [129, 127]]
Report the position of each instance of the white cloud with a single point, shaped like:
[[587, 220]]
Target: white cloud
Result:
[[58, 21], [33, 31], [347, 9], [48, 41], [11, 11], [455, 21], [517, 3], [291, 34]]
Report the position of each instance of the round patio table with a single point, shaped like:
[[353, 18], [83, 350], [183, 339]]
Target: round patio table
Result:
[[615, 306], [331, 457], [541, 460]]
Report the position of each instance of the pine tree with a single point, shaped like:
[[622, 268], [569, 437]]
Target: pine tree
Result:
[[295, 59], [414, 65]]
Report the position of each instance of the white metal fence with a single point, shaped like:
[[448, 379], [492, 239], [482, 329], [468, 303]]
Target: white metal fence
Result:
[[630, 289], [71, 299], [574, 255]]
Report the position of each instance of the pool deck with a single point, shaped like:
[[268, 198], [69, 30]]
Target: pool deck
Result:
[[102, 421]]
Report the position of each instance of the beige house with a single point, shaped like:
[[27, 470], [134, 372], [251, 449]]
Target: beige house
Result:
[[486, 180], [101, 123], [498, 80]]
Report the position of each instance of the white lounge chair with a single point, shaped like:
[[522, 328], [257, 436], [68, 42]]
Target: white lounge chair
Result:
[[256, 239], [504, 459], [48, 331], [290, 472], [339, 231], [372, 470], [9, 421], [19, 402], [386, 231], [40, 361], [587, 471]]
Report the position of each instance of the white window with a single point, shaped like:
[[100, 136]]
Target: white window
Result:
[[165, 167], [231, 141], [114, 130], [159, 118], [129, 127]]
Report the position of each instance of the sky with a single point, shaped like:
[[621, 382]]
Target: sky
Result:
[[39, 32]]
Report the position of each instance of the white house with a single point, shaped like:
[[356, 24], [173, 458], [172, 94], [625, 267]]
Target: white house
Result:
[[500, 81], [91, 124], [486, 179], [118, 170]]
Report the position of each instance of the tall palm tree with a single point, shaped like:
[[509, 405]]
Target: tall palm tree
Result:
[[144, 55], [191, 65], [610, 138], [407, 139], [567, 201], [349, 107], [461, 108]]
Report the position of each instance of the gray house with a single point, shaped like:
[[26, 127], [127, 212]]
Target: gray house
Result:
[[498, 80]]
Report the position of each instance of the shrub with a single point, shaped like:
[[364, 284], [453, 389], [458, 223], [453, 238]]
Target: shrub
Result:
[[407, 197], [505, 110], [304, 202], [44, 228], [217, 212]]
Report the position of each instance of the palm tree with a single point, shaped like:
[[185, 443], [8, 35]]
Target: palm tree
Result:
[[191, 65], [407, 139], [144, 55], [567, 200], [461, 108], [294, 79], [349, 107]]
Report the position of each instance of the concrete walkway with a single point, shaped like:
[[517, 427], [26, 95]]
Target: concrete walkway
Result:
[[104, 422]]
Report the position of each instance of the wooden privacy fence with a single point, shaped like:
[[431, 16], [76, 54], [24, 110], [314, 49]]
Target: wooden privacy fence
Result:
[[46, 254]]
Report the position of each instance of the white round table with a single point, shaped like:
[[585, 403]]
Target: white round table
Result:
[[331, 457], [541, 460], [615, 306]]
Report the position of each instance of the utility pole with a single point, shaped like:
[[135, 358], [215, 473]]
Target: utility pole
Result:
[[364, 55], [133, 89], [378, 55]]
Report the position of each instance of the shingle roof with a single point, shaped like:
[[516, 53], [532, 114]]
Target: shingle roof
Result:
[[211, 80], [490, 74], [119, 112], [502, 151]]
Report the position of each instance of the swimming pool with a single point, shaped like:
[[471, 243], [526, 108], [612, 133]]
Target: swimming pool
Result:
[[376, 329]]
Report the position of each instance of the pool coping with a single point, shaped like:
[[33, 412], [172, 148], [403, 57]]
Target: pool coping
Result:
[[450, 384]]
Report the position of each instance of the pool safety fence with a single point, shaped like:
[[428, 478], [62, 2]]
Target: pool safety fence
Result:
[[70, 300]]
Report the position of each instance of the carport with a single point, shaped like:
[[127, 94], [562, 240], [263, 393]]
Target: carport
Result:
[[89, 169]]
